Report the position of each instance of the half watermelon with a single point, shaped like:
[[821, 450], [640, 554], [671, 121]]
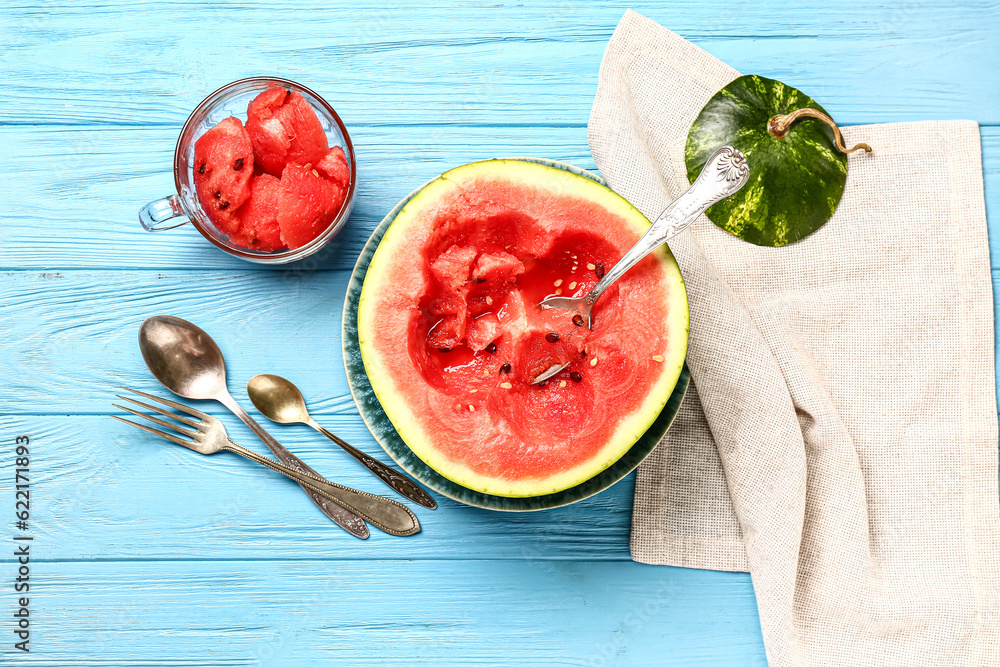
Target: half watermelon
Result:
[[451, 335]]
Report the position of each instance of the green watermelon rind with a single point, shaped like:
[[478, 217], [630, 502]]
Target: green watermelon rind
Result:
[[795, 182], [409, 427]]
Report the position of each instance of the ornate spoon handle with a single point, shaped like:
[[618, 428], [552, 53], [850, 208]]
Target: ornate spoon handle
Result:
[[338, 513], [392, 517], [399, 482], [724, 173]]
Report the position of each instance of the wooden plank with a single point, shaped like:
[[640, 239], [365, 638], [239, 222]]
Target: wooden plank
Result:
[[71, 336], [102, 490], [82, 215], [457, 612], [105, 175], [513, 64]]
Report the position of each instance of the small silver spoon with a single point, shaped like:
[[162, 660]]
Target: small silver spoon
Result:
[[724, 173], [281, 401], [189, 363]]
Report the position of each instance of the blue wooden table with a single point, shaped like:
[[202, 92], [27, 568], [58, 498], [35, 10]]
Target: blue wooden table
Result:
[[147, 554]]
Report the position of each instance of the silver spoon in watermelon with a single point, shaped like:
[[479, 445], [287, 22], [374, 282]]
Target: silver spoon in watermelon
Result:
[[725, 172]]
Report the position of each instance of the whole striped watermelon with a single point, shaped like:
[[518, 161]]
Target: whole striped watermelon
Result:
[[796, 181]]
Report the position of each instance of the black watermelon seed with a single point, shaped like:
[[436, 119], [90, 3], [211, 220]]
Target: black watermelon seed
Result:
[[541, 384], [575, 377], [223, 206], [444, 350], [491, 348], [479, 280], [599, 270], [218, 193], [552, 336], [505, 368], [238, 165], [578, 320], [202, 169]]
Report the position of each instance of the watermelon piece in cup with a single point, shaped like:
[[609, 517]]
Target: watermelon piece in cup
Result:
[[307, 206], [284, 128], [258, 217], [334, 166], [223, 164]]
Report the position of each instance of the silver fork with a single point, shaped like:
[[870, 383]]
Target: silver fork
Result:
[[208, 436]]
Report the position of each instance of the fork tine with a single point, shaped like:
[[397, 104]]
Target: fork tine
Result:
[[171, 438], [157, 420], [183, 408], [165, 413]]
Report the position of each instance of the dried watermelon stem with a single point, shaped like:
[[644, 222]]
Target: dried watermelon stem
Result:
[[779, 126]]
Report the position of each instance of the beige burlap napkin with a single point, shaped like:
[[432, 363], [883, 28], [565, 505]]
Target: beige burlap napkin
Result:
[[841, 443]]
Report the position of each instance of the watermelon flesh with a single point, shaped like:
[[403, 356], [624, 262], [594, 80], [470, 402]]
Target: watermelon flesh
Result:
[[452, 335], [308, 204], [334, 167], [223, 164], [284, 129], [258, 227]]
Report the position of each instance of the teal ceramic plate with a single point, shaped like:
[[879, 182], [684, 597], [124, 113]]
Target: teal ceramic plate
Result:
[[380, 426]]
